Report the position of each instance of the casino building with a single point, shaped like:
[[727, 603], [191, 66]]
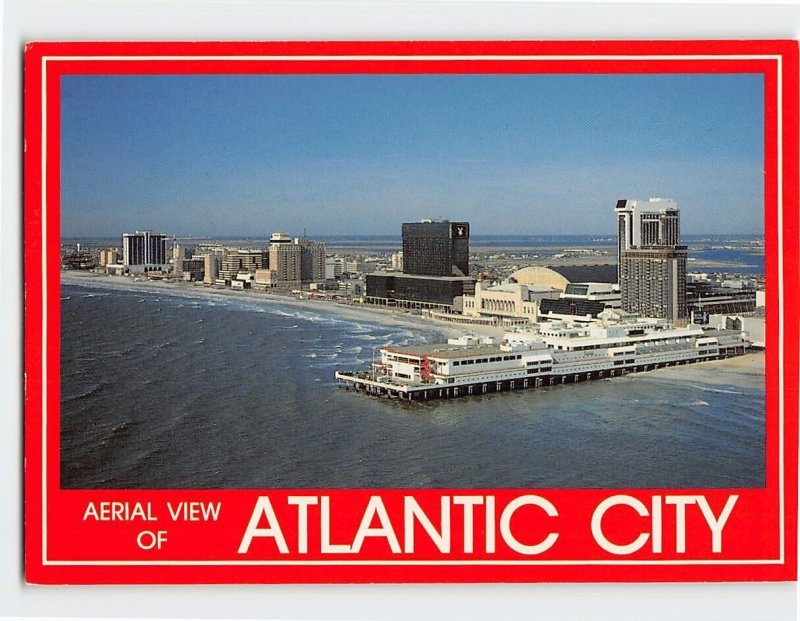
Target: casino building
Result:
[[652, 263], [435, 268], [436, 248]]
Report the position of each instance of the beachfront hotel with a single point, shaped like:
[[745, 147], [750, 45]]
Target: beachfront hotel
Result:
[[144, 251], [652, 263]]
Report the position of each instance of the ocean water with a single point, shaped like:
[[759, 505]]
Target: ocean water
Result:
[[160, 389]]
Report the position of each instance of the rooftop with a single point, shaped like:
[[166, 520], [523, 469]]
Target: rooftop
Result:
[[446, 350]]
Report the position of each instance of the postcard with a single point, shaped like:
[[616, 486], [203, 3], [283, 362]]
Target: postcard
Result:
[[431, 312]]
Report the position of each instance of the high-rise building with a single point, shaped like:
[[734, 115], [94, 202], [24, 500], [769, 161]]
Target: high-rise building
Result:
[[240, 260], [654, 222], [144, 251], [435, 268], [312, 260], [652, 263], [211, 265], [436, 248], [280, 238], [179, 255], [285, 263]]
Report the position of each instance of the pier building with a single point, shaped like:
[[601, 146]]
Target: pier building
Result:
[[616, 344]]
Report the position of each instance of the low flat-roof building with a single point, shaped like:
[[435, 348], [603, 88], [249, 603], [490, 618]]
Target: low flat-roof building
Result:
[[411, 291]]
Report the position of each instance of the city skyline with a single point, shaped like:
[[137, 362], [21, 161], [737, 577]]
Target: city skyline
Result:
[[226, 156]]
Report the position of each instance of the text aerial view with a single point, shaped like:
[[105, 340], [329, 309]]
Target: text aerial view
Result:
[[424, 281]]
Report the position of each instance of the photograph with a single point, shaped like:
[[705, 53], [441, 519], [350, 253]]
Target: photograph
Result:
[[412, 281], [410, 312]]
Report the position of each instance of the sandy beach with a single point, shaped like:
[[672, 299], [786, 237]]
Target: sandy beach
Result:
[[356, 312], [745, 371]]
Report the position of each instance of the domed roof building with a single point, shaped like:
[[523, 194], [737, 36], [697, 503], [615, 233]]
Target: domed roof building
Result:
[[540, 278]]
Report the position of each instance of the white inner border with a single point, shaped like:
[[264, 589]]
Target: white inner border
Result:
[[779, 306]]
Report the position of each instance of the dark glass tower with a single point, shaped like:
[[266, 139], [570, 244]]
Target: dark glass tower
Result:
[[436, 248]]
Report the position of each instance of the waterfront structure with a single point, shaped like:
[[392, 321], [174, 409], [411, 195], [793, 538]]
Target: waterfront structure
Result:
[[543, 295], [284, 262], [753, 326], [178, 255], [652, 263], [212, 261], [241, 260], [570, 309], [409, 291], [654, 222], [506, 301], [705, 297], [435, 268], [581, 302], [144, 251], [540, 277], [604, 292], [352, 287], [179, 252], [549, 353], [109, 256], [192, 269], [653, 283], [312, 260], [436, 248], [280, 238]]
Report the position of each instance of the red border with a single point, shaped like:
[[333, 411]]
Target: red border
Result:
[[756, 530]]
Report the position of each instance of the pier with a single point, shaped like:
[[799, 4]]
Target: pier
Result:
[[370, 383]]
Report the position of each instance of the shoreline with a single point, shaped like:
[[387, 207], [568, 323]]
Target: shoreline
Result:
[[744, 371], [355, 312]]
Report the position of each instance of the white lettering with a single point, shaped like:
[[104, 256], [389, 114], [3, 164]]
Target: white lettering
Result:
[[490, 536], [505, 525], [657, 522], [263, 507], [412, 510], [597, 524], [374, 508], [468, 502], [716, 524], [680, 503], [194, 511], [302, 503], [325, 530], [91, 512]]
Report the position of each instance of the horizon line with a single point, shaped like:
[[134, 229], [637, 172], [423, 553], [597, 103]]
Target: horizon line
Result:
[[399, 236]]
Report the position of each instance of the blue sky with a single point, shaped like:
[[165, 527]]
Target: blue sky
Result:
[[248, 155]]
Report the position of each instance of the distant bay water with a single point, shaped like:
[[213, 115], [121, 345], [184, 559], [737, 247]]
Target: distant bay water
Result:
[[166, 389], [742, 254]]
